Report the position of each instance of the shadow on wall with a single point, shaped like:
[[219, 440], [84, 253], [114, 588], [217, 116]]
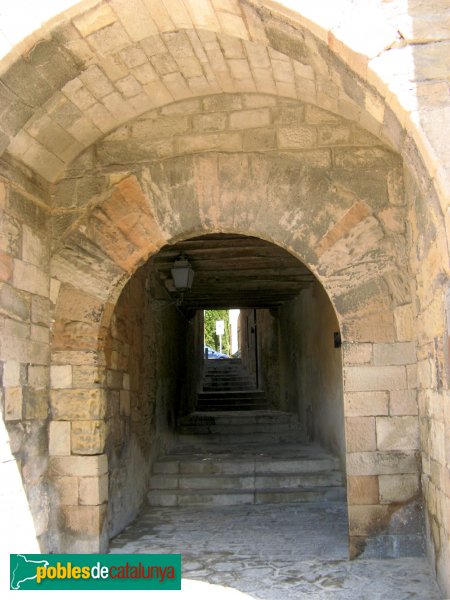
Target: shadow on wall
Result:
[[312, 368], [145, 358], [297, 364]]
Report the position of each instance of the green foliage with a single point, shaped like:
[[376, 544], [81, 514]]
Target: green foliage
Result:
[[211, 339]]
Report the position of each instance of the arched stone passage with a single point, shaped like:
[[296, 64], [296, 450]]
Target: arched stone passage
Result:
[[111, 69], [71, 105], [359, 261], [155, 368]]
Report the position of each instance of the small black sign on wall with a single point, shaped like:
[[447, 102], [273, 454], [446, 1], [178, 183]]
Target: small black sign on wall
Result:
[[337, 339]]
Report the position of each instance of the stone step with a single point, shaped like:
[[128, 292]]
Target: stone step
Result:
[[236, 497], [219, 371], [227, 389], [236, 417], [225, 380], [237, 428], [230, 406], [223, 363], [216, 464], [284, 481], [240, 384], [231, 395], [258, 439], [227, 376]]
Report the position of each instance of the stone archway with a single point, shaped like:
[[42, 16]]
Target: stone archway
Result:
[[357, 258], [96, 67]]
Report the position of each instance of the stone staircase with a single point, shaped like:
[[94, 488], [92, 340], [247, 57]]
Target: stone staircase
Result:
[[228, 457], [228, 386]]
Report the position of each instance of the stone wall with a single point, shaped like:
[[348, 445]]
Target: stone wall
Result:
[[145, 361], [110, 420], [24, 356], [355, 242], [267, 372], [312, 368], [382, 438], [247, 340], [427, 320]]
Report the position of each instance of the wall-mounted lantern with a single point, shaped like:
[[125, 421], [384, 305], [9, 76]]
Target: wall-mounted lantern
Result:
[[182, 274]]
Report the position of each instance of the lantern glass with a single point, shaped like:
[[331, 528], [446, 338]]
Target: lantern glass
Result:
[[182, 274]]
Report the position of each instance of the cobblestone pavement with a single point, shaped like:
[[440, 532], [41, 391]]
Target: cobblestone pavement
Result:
[[273, 552]]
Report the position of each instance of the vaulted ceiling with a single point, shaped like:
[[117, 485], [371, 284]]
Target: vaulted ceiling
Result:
[[234, 271]]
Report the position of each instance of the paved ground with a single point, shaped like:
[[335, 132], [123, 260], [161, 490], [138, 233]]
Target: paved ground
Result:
[[273, 552]]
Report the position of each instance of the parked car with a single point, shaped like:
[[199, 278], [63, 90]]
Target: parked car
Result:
[[211, 353]]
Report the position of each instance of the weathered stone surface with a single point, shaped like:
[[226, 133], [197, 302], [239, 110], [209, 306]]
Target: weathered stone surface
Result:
[[330, 135], [363, 157], [211, 141], [22, 79], [109, 39], [34, 248], [27, 211], [154, 128], [13, 348], [76, 404], [40, 334], [14, 302], [13, 403], [38, 377], [210, 121], [403, 402], [77, 358], [61, 376], [357, 353], [394, 354], [362, 489], [88, 437], [404, 323], [83, 520], [367, 519], [125, 403], [94, 19], [6, 266], [10, 235], [11, 374], [259, 139], [360, 434], [35, 404], [360, 379], [317, 116], [222, 102], [59, 438], [31, 279], [245, 119], [77, 305], [319, 545], [114, 379], [397, 433], [67, 490], [93, 490], [296, 136], [85, 376], [379, 463], [80, 466], [398, 488], [16, 329], [74, 335]]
